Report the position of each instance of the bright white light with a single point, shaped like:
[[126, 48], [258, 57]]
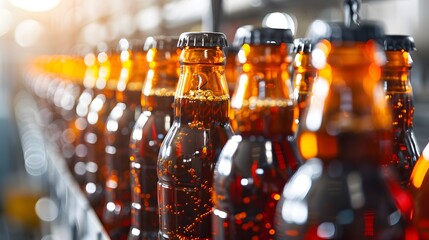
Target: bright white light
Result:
[[326, 230], [35, 6], [315, 110], [149, 18], [244, 182], [91, 167], [5, 21], [136, 205], [27, 32], [90, 187], [135, 232], [279, 20], [110, 206], [295, 212], [46, 209], [111, 184], [220, 213], [110, 150]]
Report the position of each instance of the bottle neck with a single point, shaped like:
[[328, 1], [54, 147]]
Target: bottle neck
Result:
[[262, 103], [202, 97], [303, 73], [397, 86], [131, 77], [347, 103], [161, 80]]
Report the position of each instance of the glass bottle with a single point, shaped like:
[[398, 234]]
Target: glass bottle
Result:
[[119, 123], [191, 148], [77, 162], [109, 66], [399, 93], [255, 164], [157, 97], [341, 192], [303, 74]]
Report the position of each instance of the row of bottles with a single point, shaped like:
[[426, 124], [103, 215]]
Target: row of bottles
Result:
[[315, 142]]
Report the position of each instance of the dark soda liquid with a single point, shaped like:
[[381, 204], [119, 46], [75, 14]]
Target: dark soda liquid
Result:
[[117, 210], [252, 171], [186, 163], [405, 148], [345, 196], [148, 134], [95, 172]]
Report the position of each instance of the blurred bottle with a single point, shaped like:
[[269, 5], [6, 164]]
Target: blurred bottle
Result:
[[419, 189], [231, 66], [117, 209], [255, 164], [341, 191], [109, 66], [200, 129], [77, 162], [303, 74], [399, 93], [157, 97]]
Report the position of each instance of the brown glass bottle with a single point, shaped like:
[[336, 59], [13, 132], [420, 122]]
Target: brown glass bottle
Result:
[[419, 189], [79, 124], [341, 192], [255, 164], [200, 129], [399, 93], [119, 123], [157, 98], [303, 74], [109, 66]]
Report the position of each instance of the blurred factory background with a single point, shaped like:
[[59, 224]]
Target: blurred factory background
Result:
[[29, 28]]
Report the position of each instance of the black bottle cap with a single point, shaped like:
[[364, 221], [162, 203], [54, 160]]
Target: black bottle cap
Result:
[[202, 39], [302, 45], [399, 42], [258, 36], [338, 32], [168, 43]]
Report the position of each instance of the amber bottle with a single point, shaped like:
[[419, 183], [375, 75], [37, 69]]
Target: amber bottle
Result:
[[119, 123], [157, 98], [77, 162], [303, 74], [341, 191], [200, 129], [255, 164], [109, 66], [399, 93]]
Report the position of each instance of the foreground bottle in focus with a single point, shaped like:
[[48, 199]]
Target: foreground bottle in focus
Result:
[[303, 75], [341, 192], [109, 66], [200, 129], [157, 97], [255, 164], [399, 93], [119, 124]]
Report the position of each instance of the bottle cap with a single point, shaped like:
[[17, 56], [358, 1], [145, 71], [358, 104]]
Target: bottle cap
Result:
[[338, 32], [399, 42], [202, 39], [258, 36], [302, 45], [161, 43]]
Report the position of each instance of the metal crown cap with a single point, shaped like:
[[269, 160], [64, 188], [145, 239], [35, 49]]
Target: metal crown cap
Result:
[[399, 42], [259, 36], [302, 45], [168, 43], [338, 32], [202, 39]]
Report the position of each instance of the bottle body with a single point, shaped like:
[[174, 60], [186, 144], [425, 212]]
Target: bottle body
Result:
[[148, 134], [186, 162]]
